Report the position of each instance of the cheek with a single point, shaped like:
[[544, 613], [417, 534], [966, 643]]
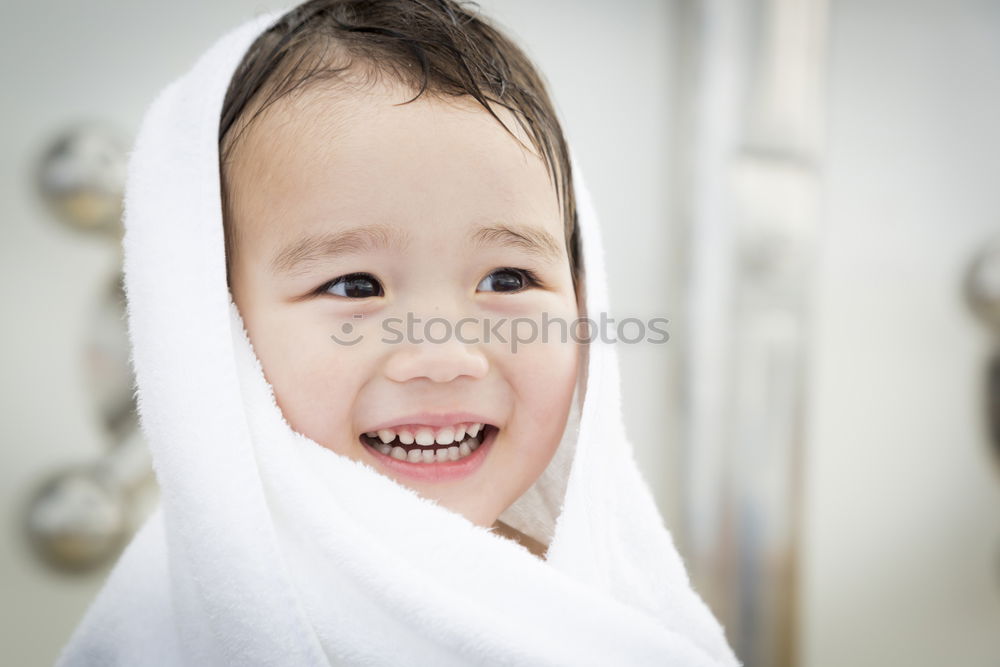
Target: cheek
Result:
[[543, 376], [314, 380]]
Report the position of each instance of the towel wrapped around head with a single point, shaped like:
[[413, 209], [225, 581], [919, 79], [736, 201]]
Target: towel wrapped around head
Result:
[[269, 549]]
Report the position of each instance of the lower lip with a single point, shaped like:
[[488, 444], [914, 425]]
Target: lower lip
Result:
[[439, 471]]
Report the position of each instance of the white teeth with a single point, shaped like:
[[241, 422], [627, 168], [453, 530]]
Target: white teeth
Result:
[[440, 455], [425, 437], [463, 440]]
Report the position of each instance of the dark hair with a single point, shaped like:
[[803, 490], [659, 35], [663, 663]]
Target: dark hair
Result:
[[433, 46]]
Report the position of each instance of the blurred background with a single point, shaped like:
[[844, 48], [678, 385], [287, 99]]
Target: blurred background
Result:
[[805, 188]]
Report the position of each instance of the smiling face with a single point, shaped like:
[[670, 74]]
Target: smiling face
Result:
[[365, 233]]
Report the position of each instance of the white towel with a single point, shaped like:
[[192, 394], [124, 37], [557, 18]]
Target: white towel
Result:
[[269, 549]]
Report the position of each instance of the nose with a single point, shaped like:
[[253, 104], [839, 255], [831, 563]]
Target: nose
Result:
[[436, 361]]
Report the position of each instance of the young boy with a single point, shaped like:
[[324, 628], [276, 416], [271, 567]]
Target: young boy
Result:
[[352, 311], [375, 169]]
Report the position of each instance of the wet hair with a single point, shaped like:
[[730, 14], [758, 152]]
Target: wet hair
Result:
[[435, 47]]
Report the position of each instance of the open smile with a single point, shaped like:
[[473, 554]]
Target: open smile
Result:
[[433, 455]]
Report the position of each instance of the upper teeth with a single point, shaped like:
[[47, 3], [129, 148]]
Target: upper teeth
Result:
[[426, 436]]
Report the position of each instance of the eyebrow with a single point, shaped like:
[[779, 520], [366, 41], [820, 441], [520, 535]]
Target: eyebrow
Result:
[[299, 254], [533, 240], [296, 256]]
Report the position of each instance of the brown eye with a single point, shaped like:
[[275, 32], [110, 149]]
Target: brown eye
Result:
[[355, 286], [505, 280]]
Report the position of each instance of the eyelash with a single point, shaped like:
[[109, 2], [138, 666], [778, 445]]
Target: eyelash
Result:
[[530, 279]]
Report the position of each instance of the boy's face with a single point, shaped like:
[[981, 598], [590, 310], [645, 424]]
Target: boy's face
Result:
[[351, 212]]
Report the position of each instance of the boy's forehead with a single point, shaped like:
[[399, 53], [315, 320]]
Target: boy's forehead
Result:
[[328, 155], [325, 112]]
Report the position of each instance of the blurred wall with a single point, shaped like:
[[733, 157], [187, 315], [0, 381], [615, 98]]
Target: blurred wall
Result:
[[902, 518], [106, 59]]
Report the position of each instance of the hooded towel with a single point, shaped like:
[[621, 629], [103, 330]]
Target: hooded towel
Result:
[[269, 549]]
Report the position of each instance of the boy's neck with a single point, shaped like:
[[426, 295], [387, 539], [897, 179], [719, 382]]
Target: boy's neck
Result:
[[531, 544]]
